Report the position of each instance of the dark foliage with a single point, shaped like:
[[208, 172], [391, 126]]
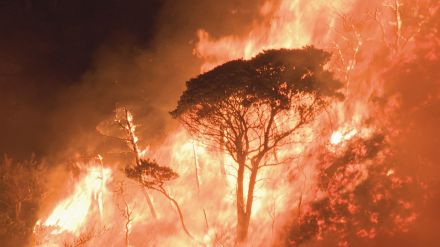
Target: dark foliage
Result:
[[271, 77], [153, 176], [150, 174], [364, 198]]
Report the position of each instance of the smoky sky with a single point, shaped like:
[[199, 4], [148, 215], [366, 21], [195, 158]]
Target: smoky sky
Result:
[[45, 47], [61, 36], [64, 65]]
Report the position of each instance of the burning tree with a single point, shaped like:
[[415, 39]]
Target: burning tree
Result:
[[125, 210], [249, 108], [123, 121], [153, 176], [365, 197], [148, 173]]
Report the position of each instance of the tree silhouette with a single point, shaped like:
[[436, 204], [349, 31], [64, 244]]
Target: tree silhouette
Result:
[[125, 210], [251, 107], [148, 173], [153, 176], [125, 132]]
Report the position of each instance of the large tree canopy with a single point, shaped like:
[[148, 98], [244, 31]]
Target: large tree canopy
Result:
[[273, 76], [251, 107], [240, 99]]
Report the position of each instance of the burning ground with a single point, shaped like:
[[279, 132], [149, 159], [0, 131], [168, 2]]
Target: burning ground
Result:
[[113, 168]]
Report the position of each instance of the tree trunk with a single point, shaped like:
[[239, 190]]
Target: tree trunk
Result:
[[127, 231], [250, 197], [242, 227], [18, 209], [221, 158], [150, 203], [196, 167], [182, 222], [244, 212], [241, 213]]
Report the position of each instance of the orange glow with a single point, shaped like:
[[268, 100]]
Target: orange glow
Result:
[[71, 213], [339, 136], [207, 184]]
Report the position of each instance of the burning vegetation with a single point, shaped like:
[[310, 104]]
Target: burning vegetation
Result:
[[307, 130], [249, 109]]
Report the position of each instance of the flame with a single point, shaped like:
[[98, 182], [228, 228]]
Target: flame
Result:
[[206, 186], [336, 137], [340, 136], [291, 24], [72, 212]]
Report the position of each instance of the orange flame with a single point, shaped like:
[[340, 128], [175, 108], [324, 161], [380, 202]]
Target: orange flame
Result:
[[71, 213], [206, 185]]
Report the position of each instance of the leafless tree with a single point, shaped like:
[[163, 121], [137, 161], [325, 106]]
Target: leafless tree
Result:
[[124, 122], [125, 210], [147, 173]]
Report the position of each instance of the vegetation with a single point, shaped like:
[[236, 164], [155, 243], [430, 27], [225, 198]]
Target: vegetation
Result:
[[22, 187], [249, 108]]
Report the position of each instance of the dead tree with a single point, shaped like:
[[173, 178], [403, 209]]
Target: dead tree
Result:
[[146, 172], [347, 47], [124, 121], [196, 176], [126, 212]]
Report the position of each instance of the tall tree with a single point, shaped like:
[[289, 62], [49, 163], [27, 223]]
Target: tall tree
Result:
[[148, 173], [125, 131], [251, 107]]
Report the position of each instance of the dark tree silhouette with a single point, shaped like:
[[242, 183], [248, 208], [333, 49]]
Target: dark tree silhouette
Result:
[[153, 176], [365, 197], [251, 107]]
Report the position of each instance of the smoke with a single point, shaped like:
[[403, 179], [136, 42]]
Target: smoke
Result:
[[61, 77], [66, 65], [387, 52], [415, 82], [52, 102]]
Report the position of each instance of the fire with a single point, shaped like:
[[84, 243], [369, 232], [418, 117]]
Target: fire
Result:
[[336, 137], [206, 183], [340, 136], [72, 212], [287, 24]]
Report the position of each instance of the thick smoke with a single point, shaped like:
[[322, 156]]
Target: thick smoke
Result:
[[66, 65]]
